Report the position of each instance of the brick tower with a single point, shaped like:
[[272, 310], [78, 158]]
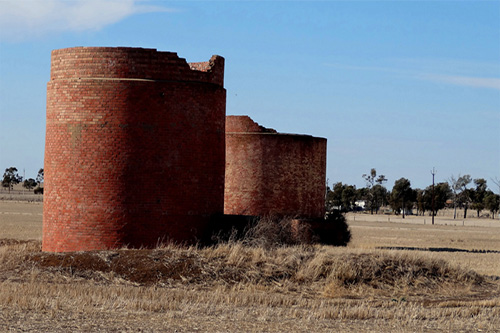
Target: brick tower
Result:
[[134, 152], [273, 173]]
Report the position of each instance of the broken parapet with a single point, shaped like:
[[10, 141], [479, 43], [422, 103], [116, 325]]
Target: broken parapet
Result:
[[270, 173]]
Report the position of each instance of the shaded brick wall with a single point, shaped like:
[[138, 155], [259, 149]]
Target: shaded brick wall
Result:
[[134, 148], [272, 173]]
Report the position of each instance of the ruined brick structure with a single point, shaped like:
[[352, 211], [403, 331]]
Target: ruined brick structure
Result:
[[273, 173], [134, 151]]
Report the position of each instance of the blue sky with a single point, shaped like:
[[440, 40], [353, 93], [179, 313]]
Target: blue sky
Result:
[[400, 86]]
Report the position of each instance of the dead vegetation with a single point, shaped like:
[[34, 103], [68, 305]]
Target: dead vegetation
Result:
[[257, 284], [258, 288], [230, 264]]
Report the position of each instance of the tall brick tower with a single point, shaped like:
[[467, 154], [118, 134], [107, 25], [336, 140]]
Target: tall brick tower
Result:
[[273, 173], [134, 151]]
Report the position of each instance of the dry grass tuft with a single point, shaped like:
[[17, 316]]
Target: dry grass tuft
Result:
[[320, 269], [397, 274], [273, 231]]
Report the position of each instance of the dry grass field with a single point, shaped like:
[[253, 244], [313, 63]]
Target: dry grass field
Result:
[[395, 276]]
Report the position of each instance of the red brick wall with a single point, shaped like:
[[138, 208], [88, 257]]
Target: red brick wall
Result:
[[273, 173], [134, 148]]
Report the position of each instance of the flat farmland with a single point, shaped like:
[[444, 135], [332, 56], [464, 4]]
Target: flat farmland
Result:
[[21, 220], [395, 276]]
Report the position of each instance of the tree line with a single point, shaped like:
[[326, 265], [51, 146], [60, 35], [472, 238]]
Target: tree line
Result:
[[462, 192], [11, 177]]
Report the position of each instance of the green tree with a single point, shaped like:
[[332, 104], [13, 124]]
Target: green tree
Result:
[[492, 202], [376, 193], [402, 195], [455, 188], [461, 195], [477, 195], [465, 196], [342, 197], [372, 178], [442, 192], [349, 197], [29, 183], [10, 178], [379, 198], [420, 201], [333, 197], [39, 178], [496, 181]]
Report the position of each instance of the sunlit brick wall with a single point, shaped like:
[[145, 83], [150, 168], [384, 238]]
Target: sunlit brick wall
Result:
[[134, 150], [273, 173]]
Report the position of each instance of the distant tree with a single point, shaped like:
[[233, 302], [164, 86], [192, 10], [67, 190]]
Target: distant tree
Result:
[[29, 183], [461, 195], [342, 197], [328, 203], [442, 192], [420, 201], [465, 196], [455, 188], [362, 193], [496, 181], [477, 195], [333, 196], [376, 194], [39, 182], [492, 202], [349, 197], [372, 178], [10, 178], [39, 178], [379, 198], [401, 195]]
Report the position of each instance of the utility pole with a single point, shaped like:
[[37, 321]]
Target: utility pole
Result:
[[433, 172]]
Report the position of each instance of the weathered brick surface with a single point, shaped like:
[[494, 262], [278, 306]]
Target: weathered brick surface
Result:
[[134, 148], [273, 173]]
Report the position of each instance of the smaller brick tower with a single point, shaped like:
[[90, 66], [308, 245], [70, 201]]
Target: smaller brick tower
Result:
[[273, 173]]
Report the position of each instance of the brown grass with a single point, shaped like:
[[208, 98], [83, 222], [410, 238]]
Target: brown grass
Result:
[[260, 289], [20, 220], [483, 243], [235, 287]]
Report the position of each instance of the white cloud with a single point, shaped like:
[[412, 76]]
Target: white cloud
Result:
[[477, 82], [21, 19]]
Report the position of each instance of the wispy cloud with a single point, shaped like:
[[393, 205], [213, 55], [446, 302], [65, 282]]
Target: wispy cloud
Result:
[[21, 19], [425, 71], [476, 82], [359, 67]]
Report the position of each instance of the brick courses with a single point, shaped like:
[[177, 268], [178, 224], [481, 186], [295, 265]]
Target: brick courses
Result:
[[134, 148], [269, 173]]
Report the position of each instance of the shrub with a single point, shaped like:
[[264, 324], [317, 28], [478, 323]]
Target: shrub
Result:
[[333, 230], [273, 231]]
